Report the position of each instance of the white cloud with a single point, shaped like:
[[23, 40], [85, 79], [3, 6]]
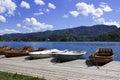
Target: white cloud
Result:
[[110, 22], [18, 25], [2, 9], [7, 6], [89, 9], [32, 24], [65, 16], [8, 31], [99, 20], [105, 7], [84, 8], [52, 6], [28, 28], [37, 14], [47, 10], [2, 19], [42, 12], [74, 13], [39, 2], [25, 5], [98, 12]]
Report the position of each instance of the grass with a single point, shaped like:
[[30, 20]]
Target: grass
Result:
[[12, 76]]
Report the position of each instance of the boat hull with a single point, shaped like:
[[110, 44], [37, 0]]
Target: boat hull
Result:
[[2, 52], [102, 56], [36, 56], [62, 57], [40, 54], [100, 60], [15, 53]]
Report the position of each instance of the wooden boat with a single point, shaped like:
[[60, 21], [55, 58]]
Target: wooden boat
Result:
[[102, 56], [68, 55], [2, 52], [5, 48], [16, 53], [26, 48]]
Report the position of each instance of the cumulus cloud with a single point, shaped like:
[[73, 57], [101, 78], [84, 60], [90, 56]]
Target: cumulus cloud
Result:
[[25, 5], [52, 6], [89, 9], [32, 24], [84, 8], [37, 14], [99, 20], [97, 13], [39, 2], [7, 6], [74, 13], [8, 31], [105, 7], [2, 19], [110, 22]]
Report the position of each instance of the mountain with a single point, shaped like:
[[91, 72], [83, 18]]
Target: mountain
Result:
[[110, 36], [78, 33], [86, 31]]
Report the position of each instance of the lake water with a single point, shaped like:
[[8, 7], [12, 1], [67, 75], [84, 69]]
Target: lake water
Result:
[[89, 47]]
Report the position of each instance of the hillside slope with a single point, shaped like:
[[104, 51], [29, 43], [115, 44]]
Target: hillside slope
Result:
[[77, 33]]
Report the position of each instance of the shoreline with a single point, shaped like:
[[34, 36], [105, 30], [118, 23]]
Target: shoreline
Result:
[[72, 70]]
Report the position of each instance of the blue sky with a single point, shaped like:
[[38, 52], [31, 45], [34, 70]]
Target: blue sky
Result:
[[25, 16]]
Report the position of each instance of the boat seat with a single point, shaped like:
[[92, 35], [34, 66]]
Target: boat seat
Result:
[[104, 52]]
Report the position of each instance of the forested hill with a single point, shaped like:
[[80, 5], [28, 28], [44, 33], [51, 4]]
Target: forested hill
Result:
[[78, 33], [110, 36]]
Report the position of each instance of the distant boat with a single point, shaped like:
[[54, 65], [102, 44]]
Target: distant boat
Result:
[[102, 56], [68, 55]]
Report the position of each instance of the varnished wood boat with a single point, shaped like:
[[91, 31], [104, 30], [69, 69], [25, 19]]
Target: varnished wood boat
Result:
[[5, 48], [16, 53], [102, 56], [26, 48]]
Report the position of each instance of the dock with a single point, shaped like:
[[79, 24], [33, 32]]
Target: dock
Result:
[[80, 69]]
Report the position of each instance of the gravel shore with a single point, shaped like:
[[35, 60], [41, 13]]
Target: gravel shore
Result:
[[72, 70]]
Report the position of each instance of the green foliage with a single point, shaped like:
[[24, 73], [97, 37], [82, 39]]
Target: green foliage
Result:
[[110, 36], [1, 38], [11, 76], [62, 38]]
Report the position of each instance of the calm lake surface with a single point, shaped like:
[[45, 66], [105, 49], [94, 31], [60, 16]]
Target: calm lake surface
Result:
[[89, 47]]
